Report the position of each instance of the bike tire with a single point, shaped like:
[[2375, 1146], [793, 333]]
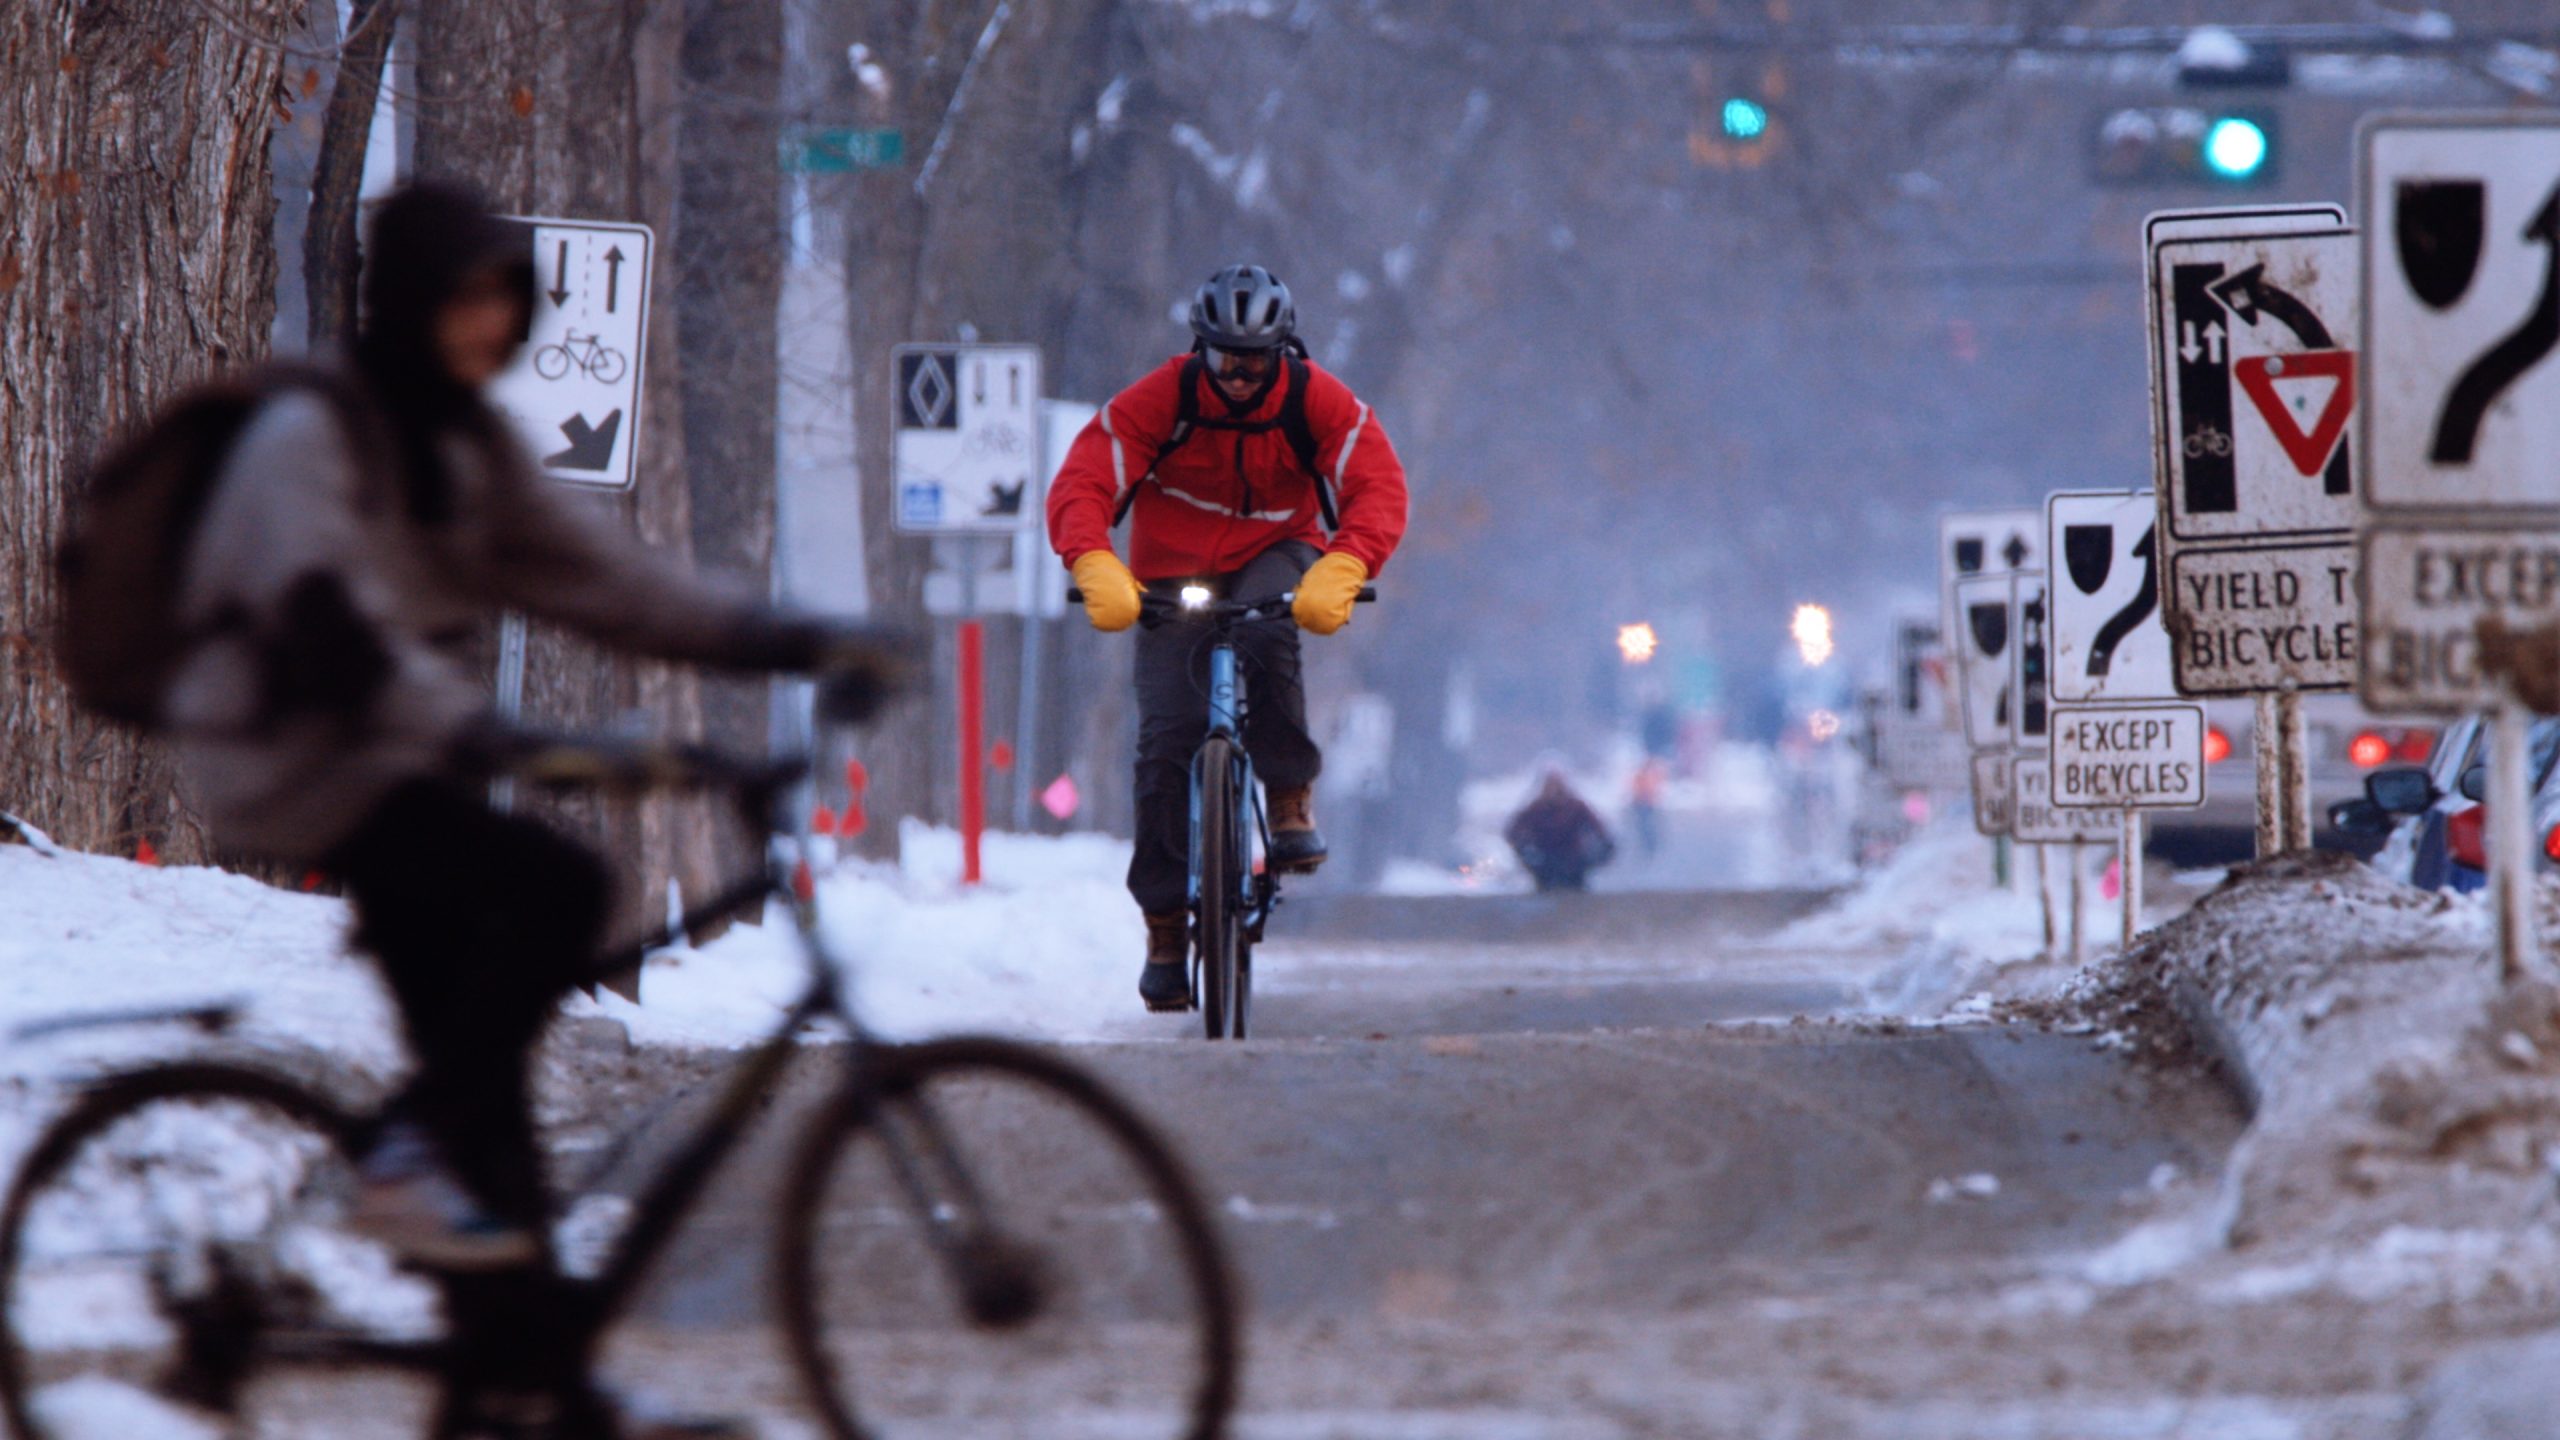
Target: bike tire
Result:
[[1070, 1207], [65, 1234], [608, 367], [1220, 936], [551, 362]]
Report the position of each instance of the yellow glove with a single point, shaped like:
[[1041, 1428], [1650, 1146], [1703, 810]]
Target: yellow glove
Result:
[[1327, 591], [1111, 593]]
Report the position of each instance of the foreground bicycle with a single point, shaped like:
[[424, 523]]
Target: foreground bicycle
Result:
[[1231, 891], [174, 1251]]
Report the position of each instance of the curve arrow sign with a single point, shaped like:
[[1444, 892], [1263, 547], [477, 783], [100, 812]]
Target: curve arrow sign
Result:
[[2102, 651], [2467, 404]]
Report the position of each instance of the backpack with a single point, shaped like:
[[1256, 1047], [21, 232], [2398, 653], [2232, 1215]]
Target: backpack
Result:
[[1291, 422], [119, 575]]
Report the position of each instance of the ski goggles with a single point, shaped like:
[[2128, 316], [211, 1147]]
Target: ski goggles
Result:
[[1242, 364]]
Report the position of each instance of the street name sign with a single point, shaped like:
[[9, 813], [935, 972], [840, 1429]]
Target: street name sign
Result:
[[2142, 757], [2108, 643], [2461, 312], [1984, 667], [1994, 792], [574, 392], [2036, 820], [1985, 542], [967, 438]]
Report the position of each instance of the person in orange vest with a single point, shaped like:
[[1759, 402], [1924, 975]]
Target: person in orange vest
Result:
[[1246, 467]]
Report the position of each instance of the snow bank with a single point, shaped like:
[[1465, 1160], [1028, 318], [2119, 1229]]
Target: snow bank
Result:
[[1955, 932], [1048, 946], [2402, 1096]]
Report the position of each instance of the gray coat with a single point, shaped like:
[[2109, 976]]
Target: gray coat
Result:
[[280, 773]]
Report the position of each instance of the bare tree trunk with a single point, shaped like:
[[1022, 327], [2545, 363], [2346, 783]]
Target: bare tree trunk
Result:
[[330, 254], [727, 260], [135, 257], [540, 103]]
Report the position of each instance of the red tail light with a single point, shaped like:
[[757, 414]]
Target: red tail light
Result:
[[2551, 842], [2368, 750], [2217, 746], [2418, 746], [2462, 837]]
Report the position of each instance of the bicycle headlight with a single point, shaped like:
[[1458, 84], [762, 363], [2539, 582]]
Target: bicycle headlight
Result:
[[1195, 597]]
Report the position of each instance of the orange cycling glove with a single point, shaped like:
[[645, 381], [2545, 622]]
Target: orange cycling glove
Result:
[[1327, 591], [1111, 593]]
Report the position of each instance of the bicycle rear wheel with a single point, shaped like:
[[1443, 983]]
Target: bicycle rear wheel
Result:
[[979, 1239], [1222, 858], [172, 1262]]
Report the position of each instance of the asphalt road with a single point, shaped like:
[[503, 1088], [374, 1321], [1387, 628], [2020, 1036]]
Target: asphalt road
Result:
[[1629, 1114]]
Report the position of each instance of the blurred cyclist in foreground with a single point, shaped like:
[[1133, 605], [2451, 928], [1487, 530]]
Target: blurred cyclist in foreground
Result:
[[359, 538]]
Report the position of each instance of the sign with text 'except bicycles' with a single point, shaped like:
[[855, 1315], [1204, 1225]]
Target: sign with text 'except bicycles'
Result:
[[2138, 757], [574, 392], [2426, 588], [968, 438]]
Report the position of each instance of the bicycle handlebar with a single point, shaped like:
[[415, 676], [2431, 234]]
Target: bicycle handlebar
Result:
[[1167, 605]]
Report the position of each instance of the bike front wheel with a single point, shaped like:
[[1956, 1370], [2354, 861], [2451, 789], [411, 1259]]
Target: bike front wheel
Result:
[[174, 1260], [1223, 855], [608, 367], [979, 1239]]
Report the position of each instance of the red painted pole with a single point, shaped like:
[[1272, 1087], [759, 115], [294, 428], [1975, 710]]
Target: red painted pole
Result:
[[973, 745]]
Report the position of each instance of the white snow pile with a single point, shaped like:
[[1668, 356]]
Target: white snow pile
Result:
[[1937, 907], [1047, 946], [2405, 1102]]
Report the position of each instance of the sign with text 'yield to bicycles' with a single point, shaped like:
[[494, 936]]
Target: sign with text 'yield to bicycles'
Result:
[[968, 438], [574, 392]]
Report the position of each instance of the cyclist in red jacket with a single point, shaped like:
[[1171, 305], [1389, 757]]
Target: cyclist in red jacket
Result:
[[1245, 467]]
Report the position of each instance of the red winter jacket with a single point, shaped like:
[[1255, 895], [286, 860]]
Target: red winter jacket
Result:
[[1226, 496]]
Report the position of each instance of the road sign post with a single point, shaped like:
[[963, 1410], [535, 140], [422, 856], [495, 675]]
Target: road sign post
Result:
[[2252, 320], [576, 390], [2458, 440]]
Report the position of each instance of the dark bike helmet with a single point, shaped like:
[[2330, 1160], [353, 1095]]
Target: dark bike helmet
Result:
[[1244, 307]]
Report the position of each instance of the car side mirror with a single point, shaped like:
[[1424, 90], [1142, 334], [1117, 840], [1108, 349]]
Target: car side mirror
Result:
[[2359, 818], [2404, 791], [2474, 784]]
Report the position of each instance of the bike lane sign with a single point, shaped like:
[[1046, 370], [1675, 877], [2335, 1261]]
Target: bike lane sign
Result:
[[967, 438], [574, 393]]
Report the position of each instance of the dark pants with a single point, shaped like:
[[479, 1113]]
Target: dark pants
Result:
[[1173, 716], [480, 923]]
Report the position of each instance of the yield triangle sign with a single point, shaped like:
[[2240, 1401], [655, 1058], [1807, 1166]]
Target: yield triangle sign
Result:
[[2307, 449]]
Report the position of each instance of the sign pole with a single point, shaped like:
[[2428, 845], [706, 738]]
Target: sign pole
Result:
[[2267, 740], [511, 646], [2079, 889], [2129, 873], [973, 744], [2044, 897], [2297, 770], [2510, 833]]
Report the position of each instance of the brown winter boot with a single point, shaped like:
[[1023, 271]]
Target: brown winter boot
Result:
[[1296, 848], [1165, 984]]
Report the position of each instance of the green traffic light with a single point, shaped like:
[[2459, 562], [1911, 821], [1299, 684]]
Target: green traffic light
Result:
[[1745, 119], [2234, 148]]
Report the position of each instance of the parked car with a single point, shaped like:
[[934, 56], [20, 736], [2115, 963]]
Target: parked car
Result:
[[2437, 827], [2345, 744]]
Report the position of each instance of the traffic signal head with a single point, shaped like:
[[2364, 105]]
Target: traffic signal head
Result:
[[2181, 144]]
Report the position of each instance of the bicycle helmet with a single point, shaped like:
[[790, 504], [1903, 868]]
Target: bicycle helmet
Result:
[[1244, 307]]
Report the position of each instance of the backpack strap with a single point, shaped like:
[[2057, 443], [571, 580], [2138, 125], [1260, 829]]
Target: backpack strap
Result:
[[1292, 424]]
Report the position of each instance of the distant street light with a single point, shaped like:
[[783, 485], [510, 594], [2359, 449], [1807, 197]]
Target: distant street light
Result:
[[1812, 631], [1636, 642], [1822, 725]]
